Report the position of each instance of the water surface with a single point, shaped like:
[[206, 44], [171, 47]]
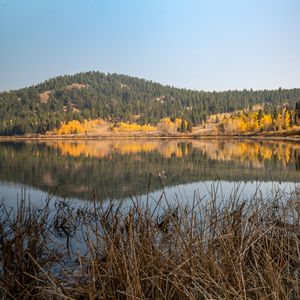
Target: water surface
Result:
[[117, 169]]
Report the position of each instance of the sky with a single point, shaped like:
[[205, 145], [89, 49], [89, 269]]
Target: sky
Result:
[[196, 44]]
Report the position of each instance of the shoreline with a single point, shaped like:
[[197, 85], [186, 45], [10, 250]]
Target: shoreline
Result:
[[74, 137]]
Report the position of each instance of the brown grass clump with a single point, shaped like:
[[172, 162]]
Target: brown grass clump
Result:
[[27, 252], [206, 250]]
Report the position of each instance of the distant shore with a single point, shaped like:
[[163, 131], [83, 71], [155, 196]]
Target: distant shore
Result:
[[286, 136]]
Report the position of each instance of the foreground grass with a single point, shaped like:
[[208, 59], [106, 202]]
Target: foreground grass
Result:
[[213, 249]]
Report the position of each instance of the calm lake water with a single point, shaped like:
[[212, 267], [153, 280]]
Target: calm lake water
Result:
[[83, 170]]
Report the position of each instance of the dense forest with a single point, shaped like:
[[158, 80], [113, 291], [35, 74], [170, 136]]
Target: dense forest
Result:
[[113, 97]]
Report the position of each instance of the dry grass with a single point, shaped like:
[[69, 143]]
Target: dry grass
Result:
[[44, 97], [208, 250]]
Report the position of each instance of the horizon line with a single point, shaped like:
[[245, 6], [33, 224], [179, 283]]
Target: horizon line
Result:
[[149, 80]]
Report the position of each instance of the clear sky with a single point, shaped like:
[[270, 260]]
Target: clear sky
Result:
[[204, 45]]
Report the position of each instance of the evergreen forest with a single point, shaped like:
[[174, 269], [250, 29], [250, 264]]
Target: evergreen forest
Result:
[[120, 98]]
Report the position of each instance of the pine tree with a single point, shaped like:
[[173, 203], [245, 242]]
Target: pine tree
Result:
[[189, 126]]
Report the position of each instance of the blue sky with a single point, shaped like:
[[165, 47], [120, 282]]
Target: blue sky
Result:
[[204, 45]]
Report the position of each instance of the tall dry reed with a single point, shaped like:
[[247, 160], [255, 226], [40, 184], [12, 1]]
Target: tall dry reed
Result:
[[209, 249]]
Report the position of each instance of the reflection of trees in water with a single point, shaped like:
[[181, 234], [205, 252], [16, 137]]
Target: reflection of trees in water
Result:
[[117, 168], [297, 160], [248, 153], [255, 152]]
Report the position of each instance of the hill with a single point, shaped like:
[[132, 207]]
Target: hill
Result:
[[112, 97]]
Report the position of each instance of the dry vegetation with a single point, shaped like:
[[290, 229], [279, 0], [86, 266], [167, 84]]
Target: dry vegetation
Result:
[[76, 86], [44, 97], [210, 249]]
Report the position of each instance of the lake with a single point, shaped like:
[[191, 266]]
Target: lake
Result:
[[117, 169]]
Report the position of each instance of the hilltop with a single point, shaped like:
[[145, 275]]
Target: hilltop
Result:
[[119, 98]]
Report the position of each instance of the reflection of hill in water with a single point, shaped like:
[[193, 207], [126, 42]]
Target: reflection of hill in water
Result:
[[117, 168]]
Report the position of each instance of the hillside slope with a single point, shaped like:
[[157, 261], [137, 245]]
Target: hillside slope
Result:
[[114, 97]]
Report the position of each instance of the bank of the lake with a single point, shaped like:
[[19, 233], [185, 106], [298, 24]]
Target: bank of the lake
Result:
[[75, 137]]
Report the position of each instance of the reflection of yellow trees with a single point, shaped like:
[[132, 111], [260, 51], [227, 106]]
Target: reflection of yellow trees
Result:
[[170, 149], [105, 148], [267, 153], [247, 152], [287, 155], [76, 149], [125, 148]]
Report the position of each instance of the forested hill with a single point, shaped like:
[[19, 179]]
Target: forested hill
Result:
[[42, 107]]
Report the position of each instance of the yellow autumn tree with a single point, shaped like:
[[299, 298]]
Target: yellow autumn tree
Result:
[[279, 122], [178, 122], [71, 127], [76, 127], [287, 120], [125, 127], [246, 122], [254, 126], [266, 122], [166, 125]]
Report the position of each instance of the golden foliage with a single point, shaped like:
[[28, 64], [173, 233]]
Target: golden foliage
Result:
[[247, 122], [287, 120], [168, 126], [125, 127], [253, 121], [76, 127], [266, 122], [178, 122]]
